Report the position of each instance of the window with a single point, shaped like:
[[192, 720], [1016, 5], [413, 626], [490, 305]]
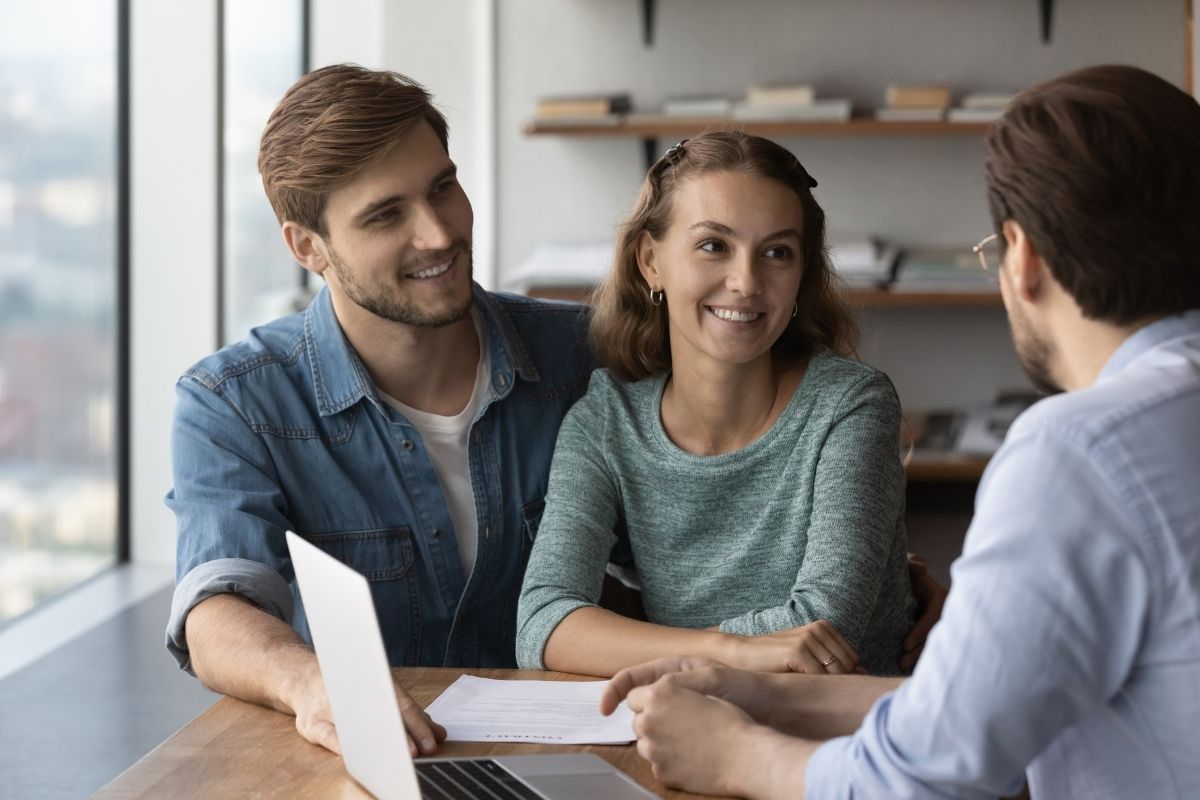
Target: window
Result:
[[264, 54], [59, 304]]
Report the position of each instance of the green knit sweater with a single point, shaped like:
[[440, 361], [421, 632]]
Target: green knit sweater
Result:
[[805, 523]]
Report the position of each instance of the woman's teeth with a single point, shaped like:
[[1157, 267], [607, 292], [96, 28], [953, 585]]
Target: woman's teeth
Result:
[[735, 316]]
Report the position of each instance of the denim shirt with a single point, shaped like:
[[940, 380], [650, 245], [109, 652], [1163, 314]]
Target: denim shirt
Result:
[[285, 431]]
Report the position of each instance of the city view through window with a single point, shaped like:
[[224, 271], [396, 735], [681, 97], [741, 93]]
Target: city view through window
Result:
[[58, 193], [263, 57]]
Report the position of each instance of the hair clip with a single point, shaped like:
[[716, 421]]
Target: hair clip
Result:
[[675, 152], [812, 182]]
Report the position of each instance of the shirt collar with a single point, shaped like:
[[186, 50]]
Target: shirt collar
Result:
[[340, 380], [1149, 337]]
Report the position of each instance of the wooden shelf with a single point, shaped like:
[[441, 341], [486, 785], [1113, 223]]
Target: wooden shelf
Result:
[[886, 298], [859, 298], [953, 468], [652, 127]]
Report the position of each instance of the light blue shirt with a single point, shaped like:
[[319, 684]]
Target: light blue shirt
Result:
[[1070, 643]]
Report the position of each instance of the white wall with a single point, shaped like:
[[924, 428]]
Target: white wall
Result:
[[347, 31], [174, 248]]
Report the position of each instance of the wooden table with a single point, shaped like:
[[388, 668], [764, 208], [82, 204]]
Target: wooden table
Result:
[[235, 749]]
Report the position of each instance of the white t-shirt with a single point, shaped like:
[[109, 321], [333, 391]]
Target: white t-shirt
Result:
[[446, 439]]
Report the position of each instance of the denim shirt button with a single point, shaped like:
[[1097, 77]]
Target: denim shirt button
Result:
[[436, 533], [407, 444]]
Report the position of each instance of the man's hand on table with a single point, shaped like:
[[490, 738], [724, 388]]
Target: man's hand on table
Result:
[[751, 692], [314, 719], [698, 724]]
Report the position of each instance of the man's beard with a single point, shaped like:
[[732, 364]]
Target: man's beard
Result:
[[393, 305], [1034, 353]]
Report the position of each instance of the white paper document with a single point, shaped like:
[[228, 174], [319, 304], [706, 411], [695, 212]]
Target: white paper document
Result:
[[546, 712]]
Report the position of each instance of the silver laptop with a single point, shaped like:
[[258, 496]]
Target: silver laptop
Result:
[[370, 729]]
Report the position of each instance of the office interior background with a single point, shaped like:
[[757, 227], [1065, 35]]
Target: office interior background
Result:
[[135, 238]]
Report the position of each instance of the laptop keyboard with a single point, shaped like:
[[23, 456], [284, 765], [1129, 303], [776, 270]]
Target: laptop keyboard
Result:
[[470, 779]]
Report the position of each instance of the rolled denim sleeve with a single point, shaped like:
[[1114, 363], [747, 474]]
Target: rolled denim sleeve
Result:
[[230, 510]]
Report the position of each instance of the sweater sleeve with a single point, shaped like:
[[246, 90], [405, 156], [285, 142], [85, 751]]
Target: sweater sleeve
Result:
[[858, 508], [567, 564]]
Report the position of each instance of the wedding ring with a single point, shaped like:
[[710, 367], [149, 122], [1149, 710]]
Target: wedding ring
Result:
[[828, 661]]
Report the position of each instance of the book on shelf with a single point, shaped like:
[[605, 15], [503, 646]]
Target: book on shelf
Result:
[[792, 94], [984, 428], [980, 107], [562, 265], [580, 106], [979, 432], [604, 120], [863, 263], [927, 95], [913, 114], [697, 107], [974, 114], [931, 433], [941, 270], [987, 99], [830, 110]]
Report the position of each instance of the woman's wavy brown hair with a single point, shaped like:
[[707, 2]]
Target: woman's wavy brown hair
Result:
[[629, 333]]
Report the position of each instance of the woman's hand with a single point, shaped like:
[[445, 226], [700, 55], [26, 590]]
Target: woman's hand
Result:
[[815, 649]]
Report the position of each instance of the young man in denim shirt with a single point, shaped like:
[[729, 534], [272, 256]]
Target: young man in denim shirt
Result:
[[404, 422]]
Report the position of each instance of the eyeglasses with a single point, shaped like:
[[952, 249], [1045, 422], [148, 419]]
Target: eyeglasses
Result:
[[988, 251]]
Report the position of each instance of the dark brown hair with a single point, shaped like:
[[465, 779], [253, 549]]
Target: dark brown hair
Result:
[[332, 123], [629, 333], [1101, 168]]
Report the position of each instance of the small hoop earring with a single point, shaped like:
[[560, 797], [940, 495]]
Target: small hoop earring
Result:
[[795, 309], [657, 296]]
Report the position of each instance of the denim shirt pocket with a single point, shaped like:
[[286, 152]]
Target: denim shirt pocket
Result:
[[385, 558]]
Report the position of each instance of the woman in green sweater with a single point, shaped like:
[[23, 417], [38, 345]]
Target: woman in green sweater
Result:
[[753, 463]]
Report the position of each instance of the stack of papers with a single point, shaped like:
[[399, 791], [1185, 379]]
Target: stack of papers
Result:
[[542, 712]]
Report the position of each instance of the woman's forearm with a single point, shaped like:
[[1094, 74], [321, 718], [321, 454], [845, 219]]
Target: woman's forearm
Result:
[[594, 641]]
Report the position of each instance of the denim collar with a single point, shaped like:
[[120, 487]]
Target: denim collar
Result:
[[1147, 338], [340, 380]]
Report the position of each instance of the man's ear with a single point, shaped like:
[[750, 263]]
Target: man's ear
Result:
[[307, 247], [1023, 265], [647, 260]]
